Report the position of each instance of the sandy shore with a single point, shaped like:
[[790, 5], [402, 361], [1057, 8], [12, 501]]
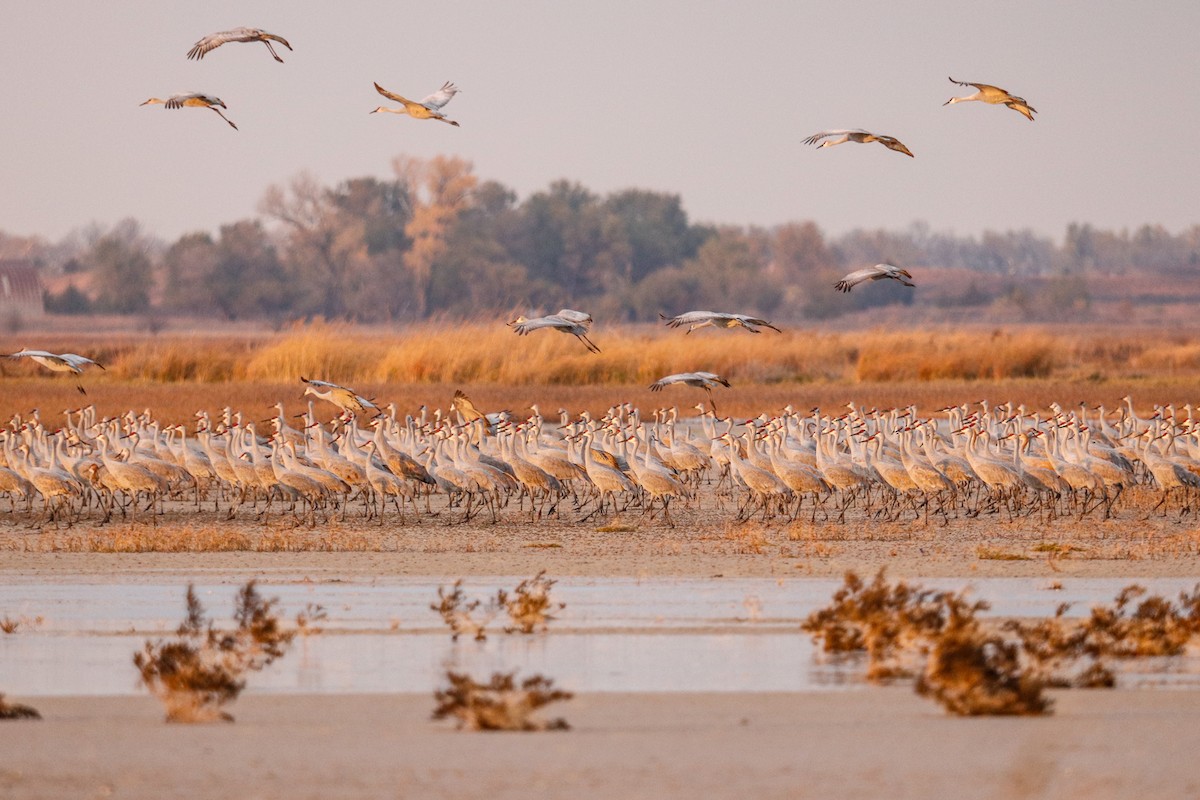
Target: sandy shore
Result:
[[873, 743], [706, 542], [864, 743]]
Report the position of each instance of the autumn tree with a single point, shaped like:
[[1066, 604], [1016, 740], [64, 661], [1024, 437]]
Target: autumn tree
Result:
[[188, 267], [438, 190], [248, 278], [324, 247], [123, 273]]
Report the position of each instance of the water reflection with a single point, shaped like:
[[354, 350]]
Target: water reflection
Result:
[[614, 635]]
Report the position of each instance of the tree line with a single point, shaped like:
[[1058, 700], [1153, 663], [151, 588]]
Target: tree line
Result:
[[437, 241]]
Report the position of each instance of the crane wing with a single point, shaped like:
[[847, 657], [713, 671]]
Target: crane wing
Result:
[[392, 95], [658, 385], [578, 317], [690, 318], [326, 384], [80, 361], [215, 40], [983, 87], [754, 321], [858, 276], [442, 96], [552, 321], [816, 137], [463, 405]]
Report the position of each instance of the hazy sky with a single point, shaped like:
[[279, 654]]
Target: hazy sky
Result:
[[709, 100]]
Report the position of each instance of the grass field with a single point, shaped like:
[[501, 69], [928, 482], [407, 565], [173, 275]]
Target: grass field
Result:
[[176, 374]]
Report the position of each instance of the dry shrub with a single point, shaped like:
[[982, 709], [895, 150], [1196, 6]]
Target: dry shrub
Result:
[[882, 619], [973, 673], [308, 619], [177, 360], [1169, 358], [457, 611], [529, 609], [1055, 647], [319, 349], [499, 705], [1156, 627], [929, 356], [205, 668], [9, 625], [16, 710]]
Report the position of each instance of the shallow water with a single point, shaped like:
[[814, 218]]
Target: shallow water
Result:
[[614, 634]]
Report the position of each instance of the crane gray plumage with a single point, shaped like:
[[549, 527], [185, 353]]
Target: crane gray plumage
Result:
[[875, 273], [575, 323], [444, 95], [342, 397], [701, 380], [215, 40], [58, 362], [193, 100], [578, 317], [714, 319], [994, 95], [857, 135]]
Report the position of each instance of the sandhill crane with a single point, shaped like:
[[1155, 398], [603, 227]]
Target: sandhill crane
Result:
[[133, 478], [384, 483], [607, 479], [193, 100], [701, 380], [579, 317], [65, 362], [714, 319], [340, 396], [522, 326], [875, 273], [986, 93], [762, 484], [860, 136], [426, 109], [215, 40], [537, 482], [657, 480]]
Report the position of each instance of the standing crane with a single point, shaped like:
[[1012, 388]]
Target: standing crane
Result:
[[193, 100], [994, 95], [215, 40]]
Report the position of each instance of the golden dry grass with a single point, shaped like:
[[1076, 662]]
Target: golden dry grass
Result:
[[184, 537], [178, 373]]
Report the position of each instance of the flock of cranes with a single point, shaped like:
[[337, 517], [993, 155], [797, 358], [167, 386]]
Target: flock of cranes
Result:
[[429, 108], [881, 461], [577, 323], [963, 461], [984, 93]]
